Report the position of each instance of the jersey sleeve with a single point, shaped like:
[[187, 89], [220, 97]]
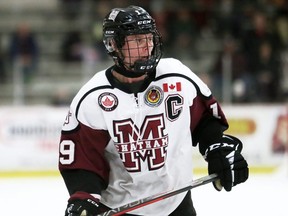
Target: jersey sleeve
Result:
[[82, 147], [208, 121]]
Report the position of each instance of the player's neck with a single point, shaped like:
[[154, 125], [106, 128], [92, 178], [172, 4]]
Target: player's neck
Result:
[[124, 79]]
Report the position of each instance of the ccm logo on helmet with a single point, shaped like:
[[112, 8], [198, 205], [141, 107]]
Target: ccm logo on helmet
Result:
[[143, 22], [108, 32], [146, 67]]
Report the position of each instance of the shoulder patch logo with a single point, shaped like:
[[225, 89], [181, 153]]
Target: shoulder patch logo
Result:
[[153, 96], [108, 101]]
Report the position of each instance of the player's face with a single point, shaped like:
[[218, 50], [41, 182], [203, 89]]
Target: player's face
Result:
[[137, 47]]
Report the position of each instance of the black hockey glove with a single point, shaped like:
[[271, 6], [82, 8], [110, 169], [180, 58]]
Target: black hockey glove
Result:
[[225, 159], [82, 207]]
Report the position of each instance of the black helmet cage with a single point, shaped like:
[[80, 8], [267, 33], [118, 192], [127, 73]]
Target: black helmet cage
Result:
[[122, 22]]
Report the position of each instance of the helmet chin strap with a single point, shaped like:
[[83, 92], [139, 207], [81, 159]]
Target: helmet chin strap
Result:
[[127, 73], [140, 68]]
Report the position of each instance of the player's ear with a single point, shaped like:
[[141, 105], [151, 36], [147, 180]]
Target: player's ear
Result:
[[113, 45]]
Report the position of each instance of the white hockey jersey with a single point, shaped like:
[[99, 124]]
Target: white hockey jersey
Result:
[[141, 144]]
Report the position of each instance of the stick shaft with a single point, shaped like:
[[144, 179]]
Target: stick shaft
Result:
[[155, 198]]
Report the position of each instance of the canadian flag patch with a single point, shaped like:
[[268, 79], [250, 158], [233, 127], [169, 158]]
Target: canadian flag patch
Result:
[[172, 87]]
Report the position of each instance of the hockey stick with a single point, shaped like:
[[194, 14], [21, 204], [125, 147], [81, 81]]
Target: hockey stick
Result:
[[155, 198]]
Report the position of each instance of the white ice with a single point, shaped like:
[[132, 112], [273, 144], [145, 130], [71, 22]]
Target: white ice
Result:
[[263, 195]]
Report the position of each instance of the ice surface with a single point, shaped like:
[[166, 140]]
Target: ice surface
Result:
[[263, 195], [260, 195]]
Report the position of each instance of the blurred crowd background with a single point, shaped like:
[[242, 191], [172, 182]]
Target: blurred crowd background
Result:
[[48, 49]]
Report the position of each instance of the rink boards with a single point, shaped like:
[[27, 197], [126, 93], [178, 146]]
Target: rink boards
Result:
[[29, 138]]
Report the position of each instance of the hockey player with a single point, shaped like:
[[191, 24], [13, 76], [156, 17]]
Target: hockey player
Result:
[[130, 130]]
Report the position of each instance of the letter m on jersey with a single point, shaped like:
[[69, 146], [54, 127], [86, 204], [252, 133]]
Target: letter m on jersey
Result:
[[143, 148]]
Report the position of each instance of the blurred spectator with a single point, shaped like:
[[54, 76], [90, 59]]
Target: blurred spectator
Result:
[[230, 70], [229, 17], [267, 72], [71, 8], [24, 51], [261, 32], [262, 46], [282, 27], [71, 47], [284, 77], [3, 75], [181, 31], [101, 9]]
